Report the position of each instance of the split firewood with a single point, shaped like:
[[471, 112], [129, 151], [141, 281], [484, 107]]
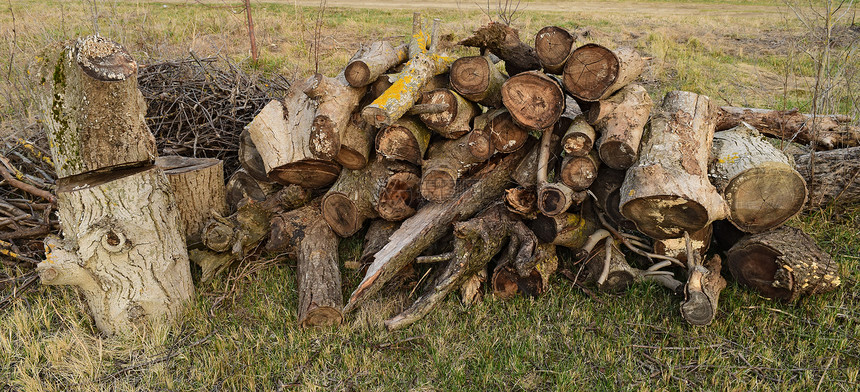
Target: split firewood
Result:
[[553, 46], [94, 112], [242, 185], [606, 190], [317, 271], [579, 172], [406, 140], [526, 275], [667, 191], [250, 159], [758, 181], [123, 247], [784, 263], [336, 100], [480, 142], [505, 134], [454, 121], [552, 198], [522, 201], [476, 241], [823, 132], [356, 143], [677, 247], [383, 188], [198, 188], [593, 72], [282, 134], [504, 42], [479, 80], [833, 179], [446, 163], [579, 138], [378, 233], [373, 61], [620, 119], [567, 229], [702, 291], [431, 223], [534, 100]]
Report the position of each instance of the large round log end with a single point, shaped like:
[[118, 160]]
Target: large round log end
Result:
[[357, 74], [765, 197], [470, 75], [590, 71], [534, 100], [341, 214], [663, 217], [103, 59], [617, 154], [397, 142], [553, 45], [755, 266]]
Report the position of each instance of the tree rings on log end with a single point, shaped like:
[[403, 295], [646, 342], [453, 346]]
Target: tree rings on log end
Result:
[[617, 154], [480, 144], [505, 134], [553, 45], [309, 173], [357, 74], [534, 100], [324, 316], [103, 59], [350, 158], [341, 214], [578, 172], [399, 198], [324, 139], [764, 197], [662, 217], [590, 70], [398, 142], [438, 185], [755, 266], [470, 75]]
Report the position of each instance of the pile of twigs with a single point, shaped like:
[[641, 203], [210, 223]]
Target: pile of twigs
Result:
[[198, 107]]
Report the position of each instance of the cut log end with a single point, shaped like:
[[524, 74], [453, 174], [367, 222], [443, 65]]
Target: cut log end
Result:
[[399, 198], [534, 100], [351, 158], [470, 75], [397, 142], [698, 310], [590, 71], [617, 154], [438, 185], [553, 45], [481, 144], [103, 59], [578, 172], [341, 214], [324, 316], [505, 134], [663, 217], [764, 197], [357, 74], [307, 173]]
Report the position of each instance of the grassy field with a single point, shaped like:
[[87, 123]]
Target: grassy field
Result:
[[241, 332]]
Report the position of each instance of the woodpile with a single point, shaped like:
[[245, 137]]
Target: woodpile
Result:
[[487, 170]]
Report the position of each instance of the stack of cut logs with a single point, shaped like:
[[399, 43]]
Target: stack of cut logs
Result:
[[485, 168]]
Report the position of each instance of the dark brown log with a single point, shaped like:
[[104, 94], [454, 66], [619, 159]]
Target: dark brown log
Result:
[[566, 229], [356, 143], [534, 100], [318, 274], [480, 143], [373, 61], [287, 198], [455, 120], [505, 134], [479, 80], [250, 158], [593, 72], [579, 138], [757, 180], [198, 187], [288, 229], [553, 46], [822, 132], [504, 42], [833, 179], [242, 185], [446, 163], [384, 188], [677, 247], [620, 119], [784, 263], [93, 110], [431, 223], [336, 100], [406, 140], [606, 189], [667, 191], [378, 233], [579, 172], [702, 291]]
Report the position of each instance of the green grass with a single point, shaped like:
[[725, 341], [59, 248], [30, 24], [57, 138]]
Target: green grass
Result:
[[241, 332]]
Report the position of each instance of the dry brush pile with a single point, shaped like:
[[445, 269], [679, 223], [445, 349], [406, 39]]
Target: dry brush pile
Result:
[[486, 167]]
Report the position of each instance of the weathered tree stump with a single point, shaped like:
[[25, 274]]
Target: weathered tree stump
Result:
[[534, 100], [504, 42], [784, 263], [123, 247], [593, 72], [833, 179], [620, 119], [198, 187], [454, 121], [667, 191], [757, 180], [553, 46], [479, 80], [405, 140]]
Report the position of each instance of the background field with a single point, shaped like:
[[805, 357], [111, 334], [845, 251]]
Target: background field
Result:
[[241, 332]]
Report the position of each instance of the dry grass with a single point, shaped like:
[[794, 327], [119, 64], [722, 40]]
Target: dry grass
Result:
[[240, 334]]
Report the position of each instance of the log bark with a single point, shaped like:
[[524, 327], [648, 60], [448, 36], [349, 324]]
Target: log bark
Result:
[[446, 163], [821, 132], [318, 274], [282, 135], [94, 111], [758, 181], [384, 188], [667, 191], [505, 135], [479, 80], [568, 229], [504, 42], [620, 119], [553, 46], [405, 140], [480, 143], [123, 248], [336, 100], [833, 179], [250, 159], [356, 143], [579, 138], [534, 100], [784, 263], [579, 172], [198, 187], [374, 61], [288, 229], [702, 291], [525, 174], [593, 72], [378, 233], [453, 122], [237, 234], [430, 224]]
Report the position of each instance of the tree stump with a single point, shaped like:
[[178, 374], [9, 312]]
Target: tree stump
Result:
[[593, 72], [553, 46], [784, 263], [124, 248], [757, 180], [479, 80], [621, 120], [534, 100], [667, 191], [452, 122], [198, 187]]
